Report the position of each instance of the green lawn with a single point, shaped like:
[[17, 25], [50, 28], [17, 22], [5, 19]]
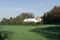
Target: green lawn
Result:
[[23, 32]]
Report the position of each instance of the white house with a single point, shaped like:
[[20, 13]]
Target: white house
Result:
[[33, 20]]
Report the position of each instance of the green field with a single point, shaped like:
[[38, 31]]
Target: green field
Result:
[[25, 32]]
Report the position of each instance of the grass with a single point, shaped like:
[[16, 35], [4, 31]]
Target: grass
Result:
[[23, 32]]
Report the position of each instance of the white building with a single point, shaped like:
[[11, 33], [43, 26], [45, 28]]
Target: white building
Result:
[[37, 19]]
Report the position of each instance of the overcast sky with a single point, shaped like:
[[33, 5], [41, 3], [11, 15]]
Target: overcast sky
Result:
[[12, 8]]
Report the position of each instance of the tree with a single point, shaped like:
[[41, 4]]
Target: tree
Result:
[[52, 16], [26, 15], [12, 20], [4, 21], [22, 16]]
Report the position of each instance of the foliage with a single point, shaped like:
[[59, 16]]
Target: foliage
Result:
[[52, 16], [17, 20], [4, 21], [12, 20]]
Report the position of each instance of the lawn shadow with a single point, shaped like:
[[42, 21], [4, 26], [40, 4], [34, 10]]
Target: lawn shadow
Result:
[[5, 35], [53, 33]]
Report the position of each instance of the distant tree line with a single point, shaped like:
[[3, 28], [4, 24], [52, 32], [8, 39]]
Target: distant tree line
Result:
[[52, 16], [17, 20]]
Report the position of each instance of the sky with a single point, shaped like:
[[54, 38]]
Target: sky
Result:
[[12, 8]]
